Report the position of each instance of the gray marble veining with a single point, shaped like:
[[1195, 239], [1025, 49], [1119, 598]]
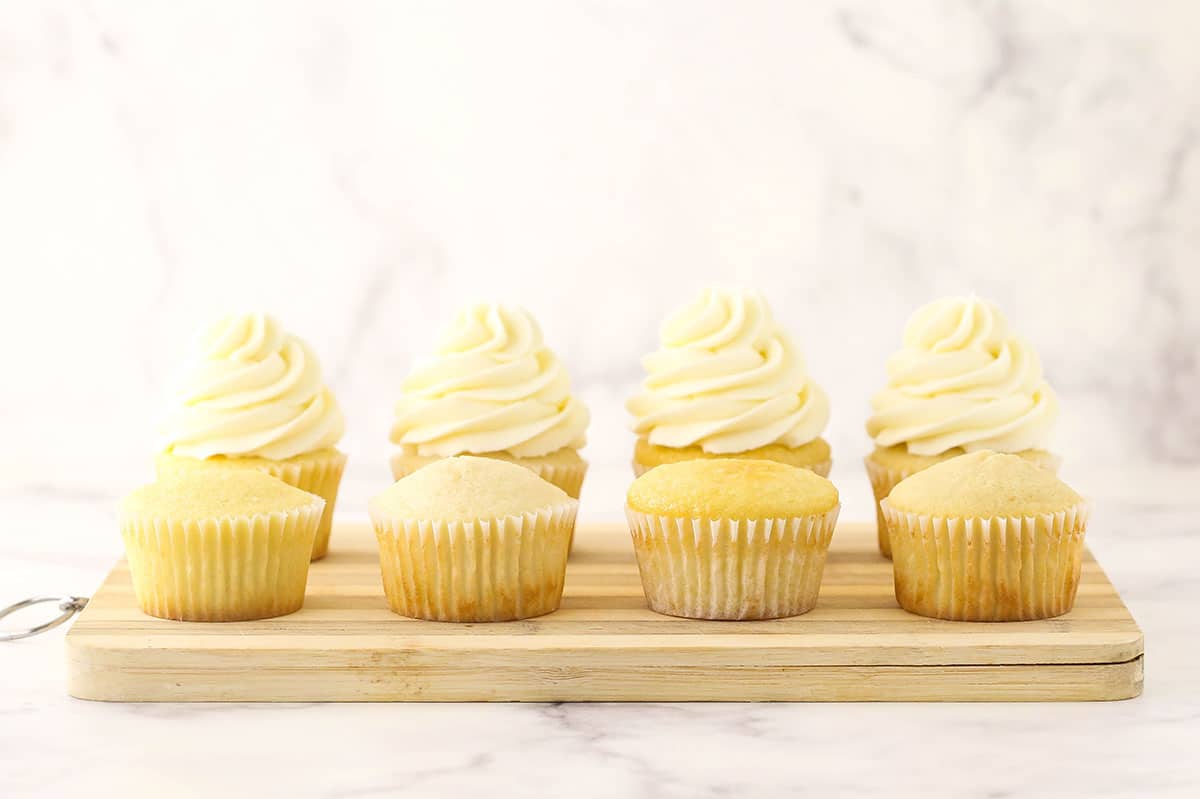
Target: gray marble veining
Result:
[[362, 170], [362, 173]]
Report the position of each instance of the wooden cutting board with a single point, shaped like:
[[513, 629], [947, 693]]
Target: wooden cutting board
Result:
[[604, 644]]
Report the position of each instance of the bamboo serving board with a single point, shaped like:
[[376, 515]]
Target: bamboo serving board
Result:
[[604, 644]]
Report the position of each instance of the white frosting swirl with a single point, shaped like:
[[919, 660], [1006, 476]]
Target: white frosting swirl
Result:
[[727, 379], [963, 379], [491, 385], [252, 390]]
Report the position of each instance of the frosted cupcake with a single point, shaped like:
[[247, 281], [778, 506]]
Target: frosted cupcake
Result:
[[728, 382], [962, 382], [473, 539], [252, 397], [219, 545], [731, 538], [986, 537], [492, 388]]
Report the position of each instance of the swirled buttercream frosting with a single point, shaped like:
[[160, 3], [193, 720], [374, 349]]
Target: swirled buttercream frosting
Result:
[[963, 379], [727, 378], [251, 390], [491, 385]]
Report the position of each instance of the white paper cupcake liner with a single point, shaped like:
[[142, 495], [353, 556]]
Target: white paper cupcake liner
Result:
[[731, 568], [230, 569], [822, 468], [488, 570], [321, 477], [567, 476], [997, 569], [884, 479], [317, 473]]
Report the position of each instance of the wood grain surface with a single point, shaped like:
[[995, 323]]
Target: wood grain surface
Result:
[[604, 644]]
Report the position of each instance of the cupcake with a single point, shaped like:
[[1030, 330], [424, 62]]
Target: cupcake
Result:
[[473, 539], [986, 537], [728, 382], [492, 389], [962, 382], [252, 398], [219, 545], [731, 538]]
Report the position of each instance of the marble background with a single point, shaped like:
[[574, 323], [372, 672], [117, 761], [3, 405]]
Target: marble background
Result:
[[360, 169]]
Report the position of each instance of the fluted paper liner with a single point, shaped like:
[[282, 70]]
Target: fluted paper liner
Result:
[[998, 569], [498, 569], [884, 479], [320, 476], [316, 476], [221, 569], [820, 467], [567, 476], [731, 568]]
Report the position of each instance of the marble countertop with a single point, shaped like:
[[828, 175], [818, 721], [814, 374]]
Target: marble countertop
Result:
[[362, 171], [1144, 532]]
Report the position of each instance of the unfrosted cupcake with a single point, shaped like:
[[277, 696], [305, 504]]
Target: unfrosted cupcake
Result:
[[493, 389], [728, 382], [252, 397], [473, 539], [219, 545], [986, 537], [731, 538], [962, 382]]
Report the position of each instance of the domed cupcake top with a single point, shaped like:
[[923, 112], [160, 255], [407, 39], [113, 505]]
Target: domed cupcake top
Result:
[[731, 488], [466, 488], [251, 390], [727, 378], [491, 385], [963, 379], [217, 494], [983, 485]]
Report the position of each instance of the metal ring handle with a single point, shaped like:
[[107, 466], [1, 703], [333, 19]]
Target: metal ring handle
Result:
[[69, 605]]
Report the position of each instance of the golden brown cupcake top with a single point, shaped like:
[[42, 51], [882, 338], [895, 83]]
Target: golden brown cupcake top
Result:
[[898, 457], [731, 489], [815, 451], [560, 457], [467, 488], [216, 494], [176, 463], [982, 485]]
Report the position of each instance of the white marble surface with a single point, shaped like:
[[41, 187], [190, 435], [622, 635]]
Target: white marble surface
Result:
[[1144, 531], [362, 168]]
